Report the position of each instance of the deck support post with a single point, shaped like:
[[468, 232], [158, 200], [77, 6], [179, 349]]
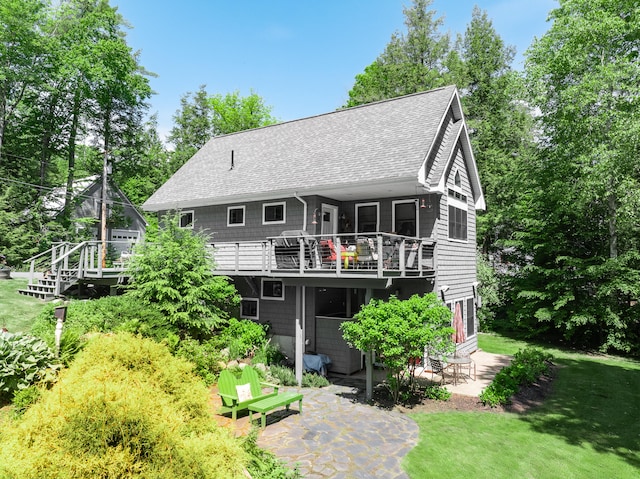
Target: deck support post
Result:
[[300, 321], [368, 355]]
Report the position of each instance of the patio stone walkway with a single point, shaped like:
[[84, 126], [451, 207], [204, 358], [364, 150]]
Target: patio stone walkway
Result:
[[337, 437]]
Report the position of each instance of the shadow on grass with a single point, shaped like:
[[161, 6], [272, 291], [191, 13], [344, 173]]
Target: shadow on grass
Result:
[[594, 402]]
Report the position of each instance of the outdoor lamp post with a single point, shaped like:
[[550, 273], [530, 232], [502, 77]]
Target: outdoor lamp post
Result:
[[60, 313]]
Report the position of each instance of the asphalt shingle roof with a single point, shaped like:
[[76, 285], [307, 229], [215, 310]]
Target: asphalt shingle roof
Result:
[[379, 142]]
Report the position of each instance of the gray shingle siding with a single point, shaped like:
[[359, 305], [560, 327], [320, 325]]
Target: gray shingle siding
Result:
[[400, 149]]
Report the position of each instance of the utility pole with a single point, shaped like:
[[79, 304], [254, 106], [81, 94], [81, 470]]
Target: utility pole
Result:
[[103, 211]]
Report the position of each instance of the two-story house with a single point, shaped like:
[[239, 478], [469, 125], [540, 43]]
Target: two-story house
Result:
[[313, 217]]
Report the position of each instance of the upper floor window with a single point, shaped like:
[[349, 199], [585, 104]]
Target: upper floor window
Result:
[[235, 215], [457, 223], [457, 215], [186, 219], [274, 213], [405, 217], [367, 217]]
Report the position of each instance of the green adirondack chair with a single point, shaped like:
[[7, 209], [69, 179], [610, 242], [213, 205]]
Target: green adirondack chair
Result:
[[229, 393]]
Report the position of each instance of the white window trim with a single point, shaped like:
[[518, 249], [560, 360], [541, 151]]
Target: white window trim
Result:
[[393, 213], [257, 301], [284, 213], [186, 212], [244, 215], [373, 203], [466, 318], [270, 298]]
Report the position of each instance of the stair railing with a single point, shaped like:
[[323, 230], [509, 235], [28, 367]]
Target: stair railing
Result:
[[41, 259], [62, 263]]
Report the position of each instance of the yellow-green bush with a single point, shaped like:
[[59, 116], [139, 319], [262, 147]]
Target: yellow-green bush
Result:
[[125, 408]]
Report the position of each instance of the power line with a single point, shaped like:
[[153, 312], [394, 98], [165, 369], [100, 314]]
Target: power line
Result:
[[51, 190]]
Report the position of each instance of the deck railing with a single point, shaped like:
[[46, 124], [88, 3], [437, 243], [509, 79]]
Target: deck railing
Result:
[[68, 262], [374, 255]]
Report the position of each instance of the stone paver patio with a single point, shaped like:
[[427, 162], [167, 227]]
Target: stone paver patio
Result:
[[337, 437]]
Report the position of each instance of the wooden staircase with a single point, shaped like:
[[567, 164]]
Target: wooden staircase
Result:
[[68, 265], [45, 288]]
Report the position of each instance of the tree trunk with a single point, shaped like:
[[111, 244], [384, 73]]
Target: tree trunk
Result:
[[613, 231], [71, 157]]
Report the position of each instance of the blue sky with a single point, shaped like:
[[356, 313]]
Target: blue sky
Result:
[[300, 56]]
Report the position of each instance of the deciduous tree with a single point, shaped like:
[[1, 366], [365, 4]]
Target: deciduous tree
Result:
[[582, 274]]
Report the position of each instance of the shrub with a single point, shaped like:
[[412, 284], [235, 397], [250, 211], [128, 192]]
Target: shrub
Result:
[[287, 377], [24, 360], [283, 375], [437, 392], [205, 357], [263, 464], [125, 408], [107, 314], [175, 275], [310, 380], [24, 398], [527, 365], [399, 331], [242, 337], [268, 354]]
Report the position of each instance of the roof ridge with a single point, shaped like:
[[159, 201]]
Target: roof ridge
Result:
[[341, 110]]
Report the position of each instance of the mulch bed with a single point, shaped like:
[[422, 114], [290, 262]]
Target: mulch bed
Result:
[[528, 397]]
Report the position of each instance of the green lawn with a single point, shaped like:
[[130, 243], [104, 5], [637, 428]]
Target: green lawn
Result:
[[589, 427], [17, 312]]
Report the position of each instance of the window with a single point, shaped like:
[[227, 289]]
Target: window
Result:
[[272, 289], [457, 215], [367, 218], [249, 308], [186, 219], [471, 318], [457, 223], [456, 180], [235, 215], [404, 217], [273, 213]]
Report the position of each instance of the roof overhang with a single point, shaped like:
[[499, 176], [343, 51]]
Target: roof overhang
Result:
[[391, 188]]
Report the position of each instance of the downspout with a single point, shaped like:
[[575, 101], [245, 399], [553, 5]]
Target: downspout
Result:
[[304, 214]]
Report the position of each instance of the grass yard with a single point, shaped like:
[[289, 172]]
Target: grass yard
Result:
[[589, 427], [17, 312]]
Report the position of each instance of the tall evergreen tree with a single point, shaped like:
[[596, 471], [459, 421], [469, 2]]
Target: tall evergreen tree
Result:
[[417, 60], [500, 126]]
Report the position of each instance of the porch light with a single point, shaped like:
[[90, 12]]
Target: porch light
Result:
[[314, 220], [422, 204], [443, 290]]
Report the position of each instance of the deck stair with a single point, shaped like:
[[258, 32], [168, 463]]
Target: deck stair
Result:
[[45, 288], [66, 265]]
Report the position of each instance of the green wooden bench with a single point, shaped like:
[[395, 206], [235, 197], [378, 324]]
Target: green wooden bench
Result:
[[227, 389], [269, 404]]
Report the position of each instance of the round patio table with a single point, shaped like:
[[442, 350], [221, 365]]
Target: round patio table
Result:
[[458, 363]]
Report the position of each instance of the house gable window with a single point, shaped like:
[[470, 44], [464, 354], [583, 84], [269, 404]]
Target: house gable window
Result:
[[249, 308], [367, 217], [235, 215], [457, 215], [405, 214], [272, 289], [456, 180], [186, 219], [274, 213]]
